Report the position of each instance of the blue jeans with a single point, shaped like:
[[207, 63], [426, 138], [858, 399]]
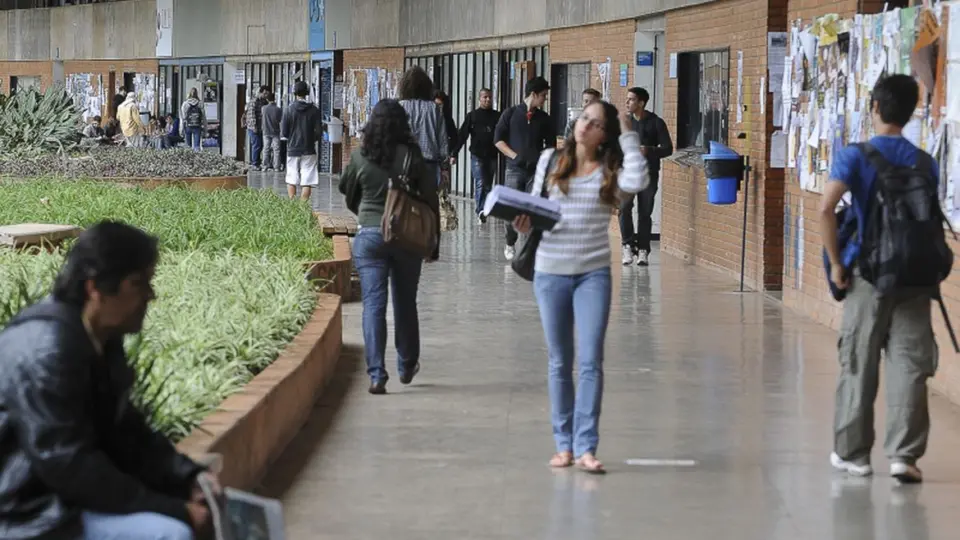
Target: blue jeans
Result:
[[377, 264], [482, 170], [192, 136], [256, 146], [142, 526], [581, 301]]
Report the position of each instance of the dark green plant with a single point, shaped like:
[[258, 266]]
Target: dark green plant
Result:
[[33, 124]]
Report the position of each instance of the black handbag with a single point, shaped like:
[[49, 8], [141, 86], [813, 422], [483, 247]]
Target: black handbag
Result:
[[525, 260]]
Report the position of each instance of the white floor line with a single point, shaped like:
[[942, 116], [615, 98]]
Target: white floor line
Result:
[[642, 462]]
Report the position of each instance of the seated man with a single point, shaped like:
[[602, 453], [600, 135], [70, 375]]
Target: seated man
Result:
[[77, 459]]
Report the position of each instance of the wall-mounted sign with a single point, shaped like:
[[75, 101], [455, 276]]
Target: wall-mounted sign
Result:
[[318, 25], [624, 75], [164, 28], [239, 77], [644, 58]]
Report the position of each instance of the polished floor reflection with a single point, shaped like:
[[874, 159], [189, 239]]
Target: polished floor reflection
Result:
[[716, 422]]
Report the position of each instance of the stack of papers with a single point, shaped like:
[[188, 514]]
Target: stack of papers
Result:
[[508, 203]]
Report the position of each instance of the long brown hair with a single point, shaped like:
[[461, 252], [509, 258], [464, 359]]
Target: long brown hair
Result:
[[609, 154]]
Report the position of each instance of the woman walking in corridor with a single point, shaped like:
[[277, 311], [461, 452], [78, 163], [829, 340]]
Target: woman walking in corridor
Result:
[[386, 143], [415, 91], [599, 161]]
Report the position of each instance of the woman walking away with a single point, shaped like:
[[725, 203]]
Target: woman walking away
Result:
[[599, 161], [426, 118], [365, 181]]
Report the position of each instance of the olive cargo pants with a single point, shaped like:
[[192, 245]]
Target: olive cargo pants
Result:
[[901, 327]]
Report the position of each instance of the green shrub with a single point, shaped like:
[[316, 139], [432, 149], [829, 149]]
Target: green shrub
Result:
[[33, 124], [244, 221], [114, 162], [218, 320]]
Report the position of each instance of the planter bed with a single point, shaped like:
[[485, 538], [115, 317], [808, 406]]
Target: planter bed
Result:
[[210, 183]]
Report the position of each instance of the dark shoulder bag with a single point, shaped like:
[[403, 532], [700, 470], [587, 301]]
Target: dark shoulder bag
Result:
[[524, 261], [408, 221]]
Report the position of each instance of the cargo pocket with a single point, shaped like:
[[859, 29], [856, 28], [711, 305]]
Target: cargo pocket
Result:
[[847, 351]]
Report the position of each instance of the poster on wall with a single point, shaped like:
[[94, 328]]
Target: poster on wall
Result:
[[164, 28], [317, 40]]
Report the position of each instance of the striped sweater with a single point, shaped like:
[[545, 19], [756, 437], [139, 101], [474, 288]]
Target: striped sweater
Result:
[[580, 242]]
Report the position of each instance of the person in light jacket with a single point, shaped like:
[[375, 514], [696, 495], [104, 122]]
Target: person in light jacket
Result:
[[600, 164], [193, 120], [426, 118]]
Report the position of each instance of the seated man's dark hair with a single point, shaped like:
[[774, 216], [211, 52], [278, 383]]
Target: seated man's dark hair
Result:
[[535, 86], [896, 97], [108, 253]]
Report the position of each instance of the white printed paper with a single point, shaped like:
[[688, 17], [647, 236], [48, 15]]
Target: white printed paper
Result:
[[778, 150], [739, 87]]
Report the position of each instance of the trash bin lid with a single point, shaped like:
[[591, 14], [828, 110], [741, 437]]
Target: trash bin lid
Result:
[[720, 152]]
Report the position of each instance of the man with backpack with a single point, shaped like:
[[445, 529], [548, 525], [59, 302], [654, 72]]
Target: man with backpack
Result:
[[193, 119], [886, 268]]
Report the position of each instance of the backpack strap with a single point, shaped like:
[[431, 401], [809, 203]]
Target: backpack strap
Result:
[[946, 320], [874, 157]]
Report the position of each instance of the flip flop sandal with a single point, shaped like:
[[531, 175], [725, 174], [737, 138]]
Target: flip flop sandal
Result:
[[595, 467], [561, 461]]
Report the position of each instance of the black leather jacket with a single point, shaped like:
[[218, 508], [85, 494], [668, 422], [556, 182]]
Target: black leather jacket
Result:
[[70, 440]]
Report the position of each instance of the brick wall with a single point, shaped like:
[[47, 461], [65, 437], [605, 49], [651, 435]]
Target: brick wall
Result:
[[693, 229], [805, 289], [104, 67], [44, 70], [594, 44], [387, 58]]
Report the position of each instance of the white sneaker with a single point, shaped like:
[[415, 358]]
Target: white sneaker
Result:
[[643, 258], [848, 467], [627, 255], [509, 252], [906, 473], [480, 219]]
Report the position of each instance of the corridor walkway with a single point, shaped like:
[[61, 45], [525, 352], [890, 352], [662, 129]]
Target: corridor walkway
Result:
[[734, 389]]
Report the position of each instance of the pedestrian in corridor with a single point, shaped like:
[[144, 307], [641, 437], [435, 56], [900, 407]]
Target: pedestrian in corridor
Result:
[[272, 117], [479, 126], [302, 127], [589, 96], [886, 273], [655, 144], [522, 133], [427, 123], [572, 279], [252, 120], [386, 143]]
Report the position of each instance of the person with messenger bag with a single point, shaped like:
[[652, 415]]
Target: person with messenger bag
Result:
[[391, 190], [600, 164]]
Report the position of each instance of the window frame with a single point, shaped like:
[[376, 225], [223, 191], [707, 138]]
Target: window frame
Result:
[[692, 121]]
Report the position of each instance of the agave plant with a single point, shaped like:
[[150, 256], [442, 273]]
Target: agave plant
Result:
[[33, 124]]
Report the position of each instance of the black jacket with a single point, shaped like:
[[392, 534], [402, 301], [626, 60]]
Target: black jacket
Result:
[[479, 126], [528, 138], [70, 439], [654, 134], [302, 126]]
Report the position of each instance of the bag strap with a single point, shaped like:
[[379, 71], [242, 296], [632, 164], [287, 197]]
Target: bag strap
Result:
[[873, 156], [946, 319], [545, 188]]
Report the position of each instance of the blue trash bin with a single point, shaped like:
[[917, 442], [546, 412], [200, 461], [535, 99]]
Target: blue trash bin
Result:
[[723, 168]]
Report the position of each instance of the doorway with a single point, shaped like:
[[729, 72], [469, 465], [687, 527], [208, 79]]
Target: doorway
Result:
[[242, 132]]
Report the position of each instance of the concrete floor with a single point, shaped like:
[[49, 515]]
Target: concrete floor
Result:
[[735, 385]]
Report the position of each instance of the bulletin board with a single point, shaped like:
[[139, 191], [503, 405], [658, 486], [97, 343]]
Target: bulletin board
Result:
[[365, 88], [87, 92], [831, 67]]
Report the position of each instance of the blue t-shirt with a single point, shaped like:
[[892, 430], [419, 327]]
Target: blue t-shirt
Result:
[[852, 167]]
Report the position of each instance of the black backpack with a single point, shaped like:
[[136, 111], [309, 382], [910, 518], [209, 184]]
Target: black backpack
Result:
[[194, 118], [904, 244]]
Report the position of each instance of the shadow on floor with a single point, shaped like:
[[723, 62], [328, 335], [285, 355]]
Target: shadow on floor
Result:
[[294, 459]]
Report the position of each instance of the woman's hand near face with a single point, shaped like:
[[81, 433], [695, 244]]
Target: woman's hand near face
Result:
[[522, 224]]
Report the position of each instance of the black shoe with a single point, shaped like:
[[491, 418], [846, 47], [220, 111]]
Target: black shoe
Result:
[[409, 374], [378, 388]]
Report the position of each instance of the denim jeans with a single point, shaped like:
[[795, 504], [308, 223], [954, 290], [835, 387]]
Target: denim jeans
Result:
[[581, 303], [377, 265], [192, 136], [256, 146], [522, 180], [271, 152], [639, 240], [483, 170], [144, 526]]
